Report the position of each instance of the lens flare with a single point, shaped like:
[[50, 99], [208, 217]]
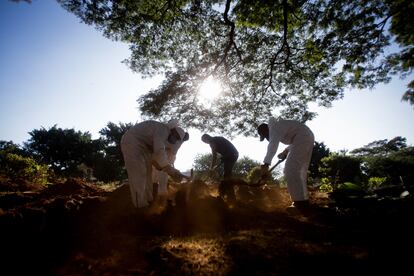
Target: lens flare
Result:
[[209, 90]]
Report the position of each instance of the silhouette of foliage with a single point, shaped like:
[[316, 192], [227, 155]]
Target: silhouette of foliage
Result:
[[109, 164], [244, 165], [340, 168], [10, 147], [202, 164], [320, 150], [67, 150], [381, 147], [111, 137], [402, 26], [62, 149], [272, 57], [397, 167], [390, 161], [17, 167]]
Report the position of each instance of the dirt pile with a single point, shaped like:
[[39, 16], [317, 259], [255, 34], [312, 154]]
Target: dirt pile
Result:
[[6, 185], [75, 228]]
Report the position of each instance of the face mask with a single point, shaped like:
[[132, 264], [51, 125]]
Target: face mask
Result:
[[172, 139]]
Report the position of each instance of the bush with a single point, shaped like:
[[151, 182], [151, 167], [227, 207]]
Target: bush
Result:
[[326, 185], [17, 167], [255, 175], [376, 182], [107, 169], [202, 170], [397, 167], [347, 191], [341, 168]]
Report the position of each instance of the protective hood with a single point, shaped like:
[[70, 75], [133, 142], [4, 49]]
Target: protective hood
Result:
[[180, 132], [262, 129], [173, 123]]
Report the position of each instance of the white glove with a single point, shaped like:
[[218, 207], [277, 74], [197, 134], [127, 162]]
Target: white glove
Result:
[[283, 154]]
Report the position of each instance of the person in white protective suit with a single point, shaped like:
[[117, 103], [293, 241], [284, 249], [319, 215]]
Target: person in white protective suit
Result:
[[159, 177], [300, 140], [143, 146]]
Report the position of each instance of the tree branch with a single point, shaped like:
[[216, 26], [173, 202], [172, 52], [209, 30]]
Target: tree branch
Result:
[[285, 45], [231, 36]]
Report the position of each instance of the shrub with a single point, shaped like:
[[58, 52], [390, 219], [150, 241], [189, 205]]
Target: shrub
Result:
[[376, 182], [341, 168], [17, 167], [397, 167], [255, 175], [346, 191], [326, 185]]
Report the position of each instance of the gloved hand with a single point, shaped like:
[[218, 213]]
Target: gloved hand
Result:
[[282, 155], [264, 169], [173, 172]]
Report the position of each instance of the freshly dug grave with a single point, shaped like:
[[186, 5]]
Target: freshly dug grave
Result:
[[76, 228]]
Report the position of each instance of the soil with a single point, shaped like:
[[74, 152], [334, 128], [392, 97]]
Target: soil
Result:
[[76, 228]]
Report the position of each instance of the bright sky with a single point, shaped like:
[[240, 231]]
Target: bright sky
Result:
[[56, 70]]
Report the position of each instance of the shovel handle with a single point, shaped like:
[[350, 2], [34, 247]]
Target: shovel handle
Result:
[[275, 165]]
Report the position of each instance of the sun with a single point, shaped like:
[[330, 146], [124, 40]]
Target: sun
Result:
[[209, 90]]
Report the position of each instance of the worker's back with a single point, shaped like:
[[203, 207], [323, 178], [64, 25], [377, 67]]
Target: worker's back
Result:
[[286, 130], [224, 147]]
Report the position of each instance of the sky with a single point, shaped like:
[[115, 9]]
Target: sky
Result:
[[56, 70]]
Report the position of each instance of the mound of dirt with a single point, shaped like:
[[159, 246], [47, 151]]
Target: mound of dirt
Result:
[[19, 185], [72, 187], [76, 228]]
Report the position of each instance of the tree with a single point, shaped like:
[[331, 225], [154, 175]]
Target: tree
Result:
[[397, 167], [17, 167], [62, 149], [320, 150], [242, 167], [340, 168], [272, 57], [10, 147], [381, 147], [109, 164], [111, 137], [201, 167], [402, 27], [389, 159], [16, 164]]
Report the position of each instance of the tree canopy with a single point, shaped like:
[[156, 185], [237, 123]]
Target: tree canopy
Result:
[[320, 150], [381, 147], [62, 149], [111, 136], [272, 57], [242, 167]]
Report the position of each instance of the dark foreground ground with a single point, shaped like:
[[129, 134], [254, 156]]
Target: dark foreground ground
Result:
[[74, 228]]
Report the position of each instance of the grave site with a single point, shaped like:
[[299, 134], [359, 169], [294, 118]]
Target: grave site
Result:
[[78, 228]]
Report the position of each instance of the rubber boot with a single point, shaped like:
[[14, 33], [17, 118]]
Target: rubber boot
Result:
[[299, 208]]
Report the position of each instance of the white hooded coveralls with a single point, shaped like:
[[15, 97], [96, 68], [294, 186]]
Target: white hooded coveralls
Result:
[[140, 145], [300, 140], [161, 177]]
